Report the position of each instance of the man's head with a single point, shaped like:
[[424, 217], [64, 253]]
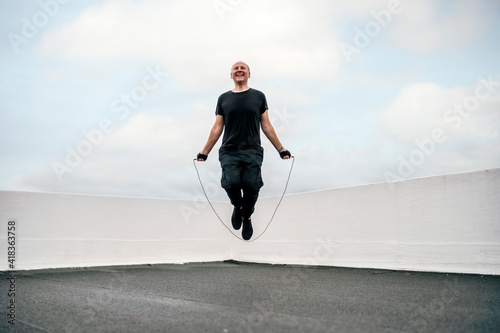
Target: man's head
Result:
[[240, 72]]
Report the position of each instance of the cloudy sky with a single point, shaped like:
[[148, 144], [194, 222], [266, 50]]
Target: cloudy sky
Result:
[[118, 97]]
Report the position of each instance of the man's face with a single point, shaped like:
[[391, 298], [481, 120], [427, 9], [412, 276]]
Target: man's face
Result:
[[240, 72]]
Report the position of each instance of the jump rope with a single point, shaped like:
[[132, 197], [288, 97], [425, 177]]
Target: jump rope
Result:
[[272, 217]]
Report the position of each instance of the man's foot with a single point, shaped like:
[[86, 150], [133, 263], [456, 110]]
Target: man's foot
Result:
[[236, 219], [247, 229]]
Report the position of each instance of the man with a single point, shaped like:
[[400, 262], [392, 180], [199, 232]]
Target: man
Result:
[[241, 113]]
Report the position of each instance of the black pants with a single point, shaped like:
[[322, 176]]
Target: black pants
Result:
[[241, 177]]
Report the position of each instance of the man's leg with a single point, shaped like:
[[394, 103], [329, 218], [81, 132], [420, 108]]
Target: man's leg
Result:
[[231, 177], [231, 182], [251, 181], [248, 202]]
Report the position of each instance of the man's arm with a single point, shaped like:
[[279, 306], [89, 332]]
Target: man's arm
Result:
[[215, 134], [270, 133]]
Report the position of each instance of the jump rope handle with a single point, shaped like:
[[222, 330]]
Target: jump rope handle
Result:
[[202, 156], [285, 153]]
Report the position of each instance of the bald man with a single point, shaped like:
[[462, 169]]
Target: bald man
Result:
[[240, 114]]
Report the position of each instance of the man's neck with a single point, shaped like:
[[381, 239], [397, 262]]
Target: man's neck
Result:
[[240, 88]]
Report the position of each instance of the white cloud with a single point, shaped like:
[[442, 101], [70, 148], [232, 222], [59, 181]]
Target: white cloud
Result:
[[444, 130], [189, 40], [419, 108], [466, 111], [424, 27], [150, 155]]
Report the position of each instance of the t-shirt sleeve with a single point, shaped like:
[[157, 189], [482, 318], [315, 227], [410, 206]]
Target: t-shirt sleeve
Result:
[[218, 108], [264, 104]]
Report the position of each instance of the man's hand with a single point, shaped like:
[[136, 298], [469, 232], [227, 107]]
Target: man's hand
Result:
[[201, 157], [285, 154]]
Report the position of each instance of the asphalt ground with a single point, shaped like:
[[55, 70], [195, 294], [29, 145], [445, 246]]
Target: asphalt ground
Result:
[[243, 297]]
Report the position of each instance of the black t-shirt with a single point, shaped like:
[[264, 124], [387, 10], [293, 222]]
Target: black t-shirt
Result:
[[241, 112]]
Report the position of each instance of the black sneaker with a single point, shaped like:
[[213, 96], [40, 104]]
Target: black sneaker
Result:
[[236, 218], [247, 229]]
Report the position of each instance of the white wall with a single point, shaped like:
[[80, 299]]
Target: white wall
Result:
[[446, 224]]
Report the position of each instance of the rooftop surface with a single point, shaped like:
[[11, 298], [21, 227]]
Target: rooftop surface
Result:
[[243, 297]]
